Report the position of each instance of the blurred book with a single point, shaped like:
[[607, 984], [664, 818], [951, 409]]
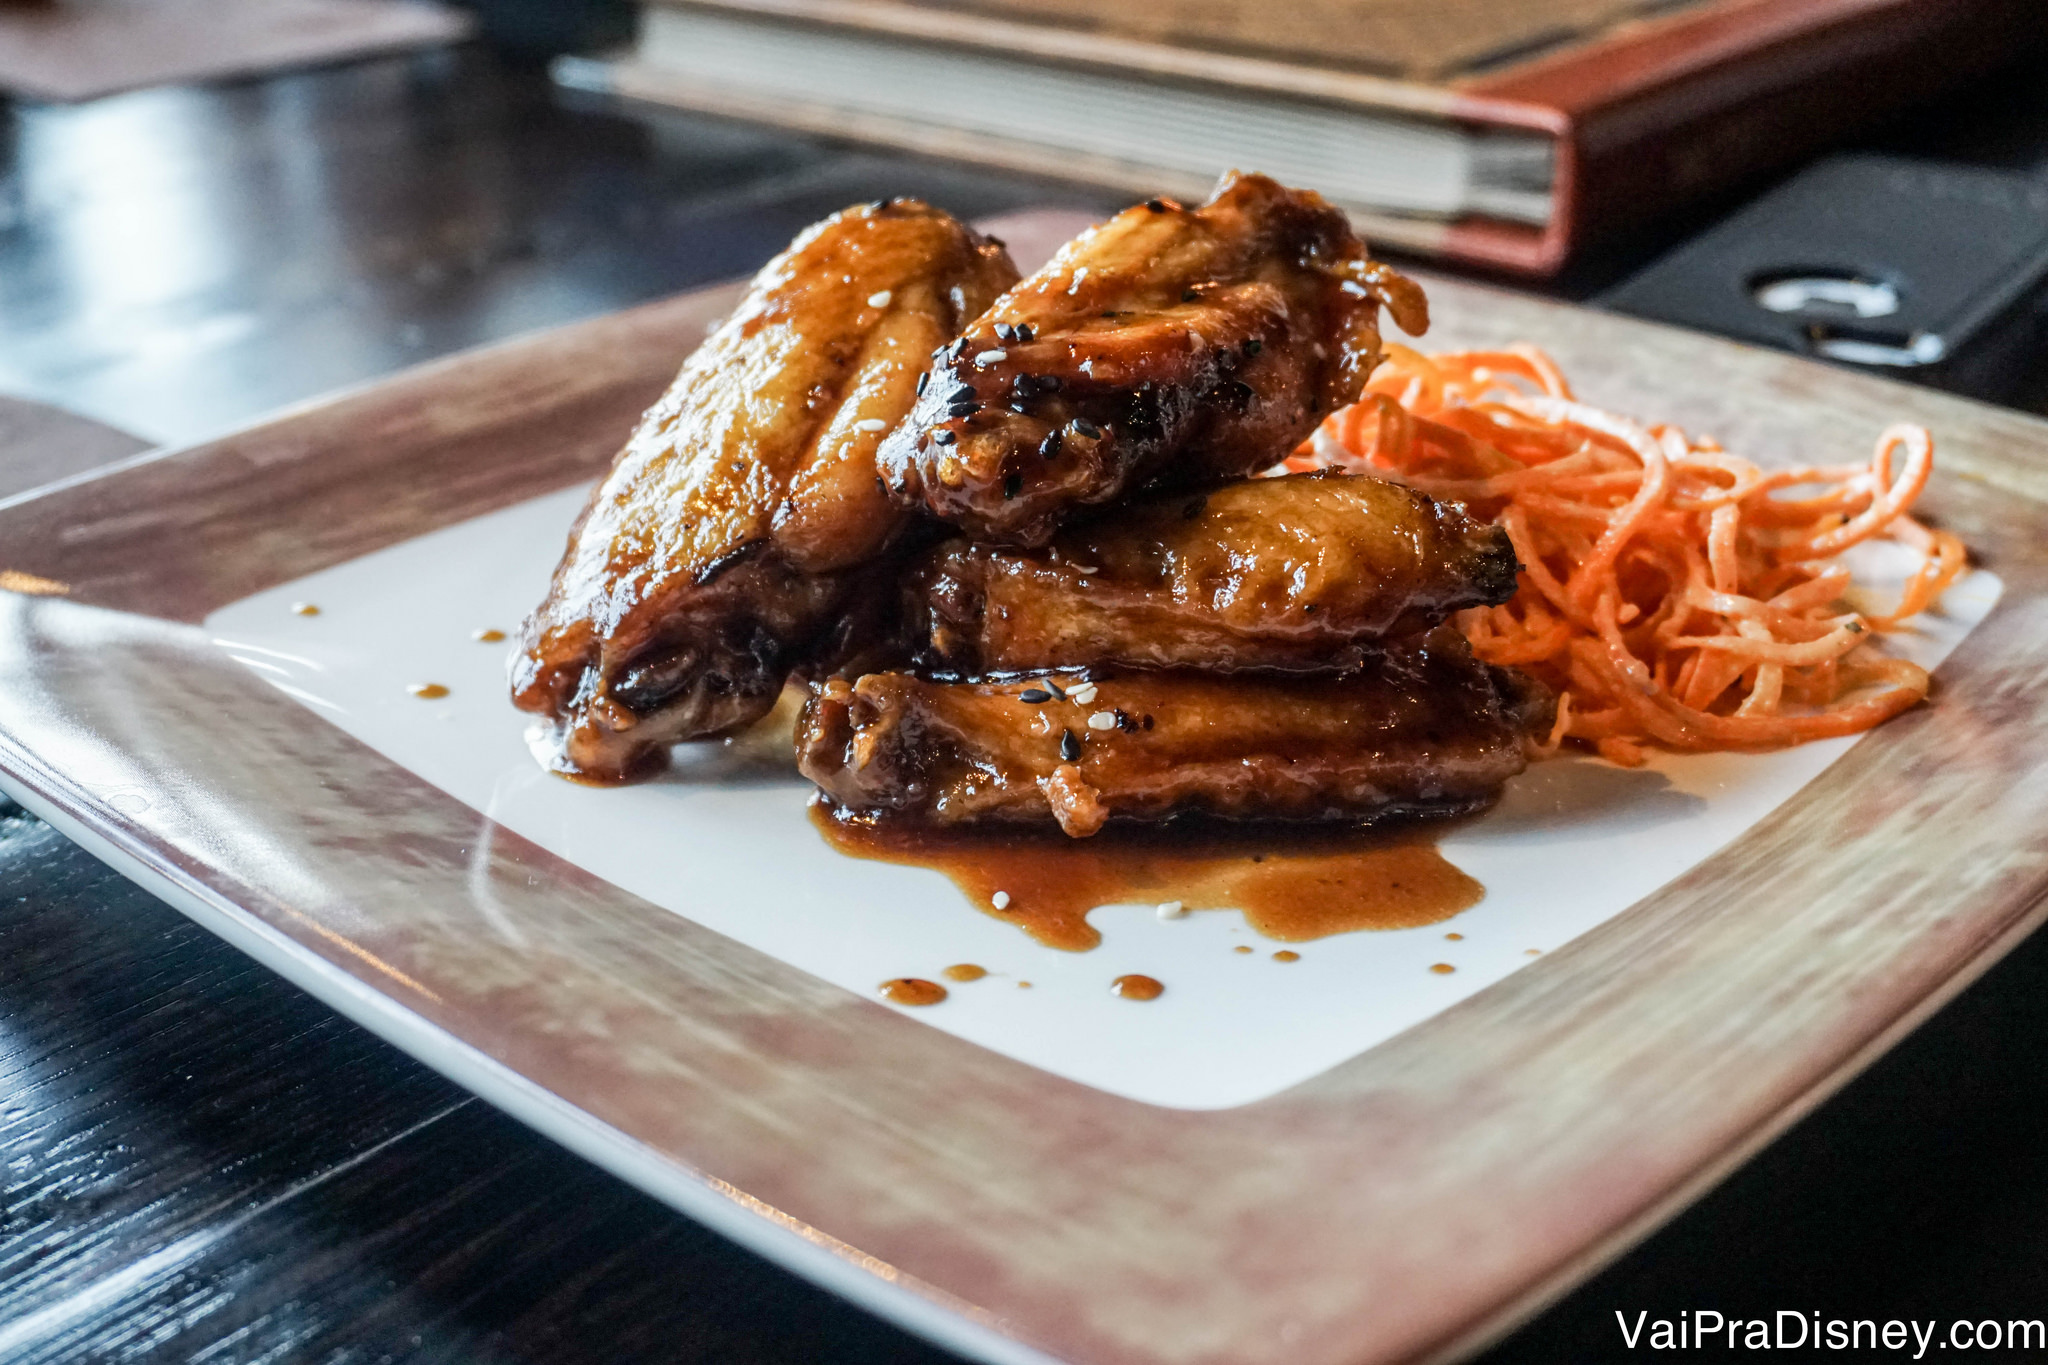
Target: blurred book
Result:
[[83, 49], [1506, 132]]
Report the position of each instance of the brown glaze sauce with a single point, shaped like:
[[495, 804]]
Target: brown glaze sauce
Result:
[[489, 635], [428, 691], [304, 609], [913, 990], [1292, 884], [964, 971], [1136, 987], [1287, 955]]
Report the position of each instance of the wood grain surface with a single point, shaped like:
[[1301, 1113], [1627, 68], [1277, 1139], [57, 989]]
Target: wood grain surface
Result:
[[1396, 1206]]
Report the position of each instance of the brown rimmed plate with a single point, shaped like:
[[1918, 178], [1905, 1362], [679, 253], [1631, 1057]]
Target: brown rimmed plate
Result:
[[1407, 1203]]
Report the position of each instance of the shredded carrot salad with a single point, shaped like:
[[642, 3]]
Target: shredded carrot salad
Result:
[[1671, 593]]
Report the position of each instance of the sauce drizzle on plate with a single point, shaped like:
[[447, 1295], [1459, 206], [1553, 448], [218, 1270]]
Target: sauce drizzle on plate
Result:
[[1292, 884]]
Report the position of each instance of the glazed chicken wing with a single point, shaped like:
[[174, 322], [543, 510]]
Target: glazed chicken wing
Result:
[[1302, 574], [745, 508], [1425, 727], [1181, 344]]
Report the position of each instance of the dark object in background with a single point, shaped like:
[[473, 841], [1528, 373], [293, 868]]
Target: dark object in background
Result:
[[1915, 270], [547, 28]]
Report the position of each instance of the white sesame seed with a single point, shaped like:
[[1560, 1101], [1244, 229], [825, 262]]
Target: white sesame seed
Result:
[[987, 358], [1083, 694], [1102, 720], [880, 300], [869, 424], [1085, 569], [1000, 900], [1172, 910]]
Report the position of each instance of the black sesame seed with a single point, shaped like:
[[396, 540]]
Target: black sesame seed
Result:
[[1147, 721], [962, 407], [954, 351], [1050, 383], [1012, 485], [1156, 205], [923, 382], [1049, 448], [943, 437], [1070, 748], [1005, 332], [1254, 346], [1087, 429], [1189, 295], [1023, 331], [1054, 688], [1025, 385], [1112, 314], [878, 205], [995, 241], [1034, 695], [1124, 722]]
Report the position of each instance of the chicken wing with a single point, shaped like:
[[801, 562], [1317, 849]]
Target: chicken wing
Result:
[[1301, 574], [1425, 727], [1182, 344], [745, 508]]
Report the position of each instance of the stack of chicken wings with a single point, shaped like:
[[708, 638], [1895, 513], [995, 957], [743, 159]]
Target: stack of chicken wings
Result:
[[1012, 539]]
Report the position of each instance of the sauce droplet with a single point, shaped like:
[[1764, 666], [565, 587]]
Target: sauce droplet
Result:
[[1287, 955], [913, 990], [1242, 948], [427, 691], [1135, 987], [1455, 938], [304, 609], [1533, 952], [964, 971], [488, 635], [1023, 985], [1443, 968]]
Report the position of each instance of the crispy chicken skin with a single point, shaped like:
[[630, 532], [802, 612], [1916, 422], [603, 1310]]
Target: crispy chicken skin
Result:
[[743, 511], [1422, 728], [1300, 574], [1169, 343]]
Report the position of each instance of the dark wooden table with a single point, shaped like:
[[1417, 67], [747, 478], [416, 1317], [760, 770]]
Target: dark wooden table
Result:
[[200, 1163]]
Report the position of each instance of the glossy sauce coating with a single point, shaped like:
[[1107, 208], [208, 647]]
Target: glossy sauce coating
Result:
[[1299, 574], [1426, 728], [744, 509], [1292, 885], [1186, 345]]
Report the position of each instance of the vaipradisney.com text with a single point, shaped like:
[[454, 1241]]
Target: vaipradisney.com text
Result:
[[1790, 1329]]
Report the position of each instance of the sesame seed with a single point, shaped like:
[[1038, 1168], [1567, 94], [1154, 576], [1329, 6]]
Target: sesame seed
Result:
[[1254, 346], [942, 437], [988, 358], [923, 381], [1088, 429], [1083, 695], [880, 300], [1156, 205], [1034, 696], [1000, 900], [1005, 332], [1054, 688], [1012, 486], [1049, 447], [1023, 331], [1189, 296], [962, 407], [1102, 720], [870, 424], [1173, 910], [1070, 747], [1085, 569]]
